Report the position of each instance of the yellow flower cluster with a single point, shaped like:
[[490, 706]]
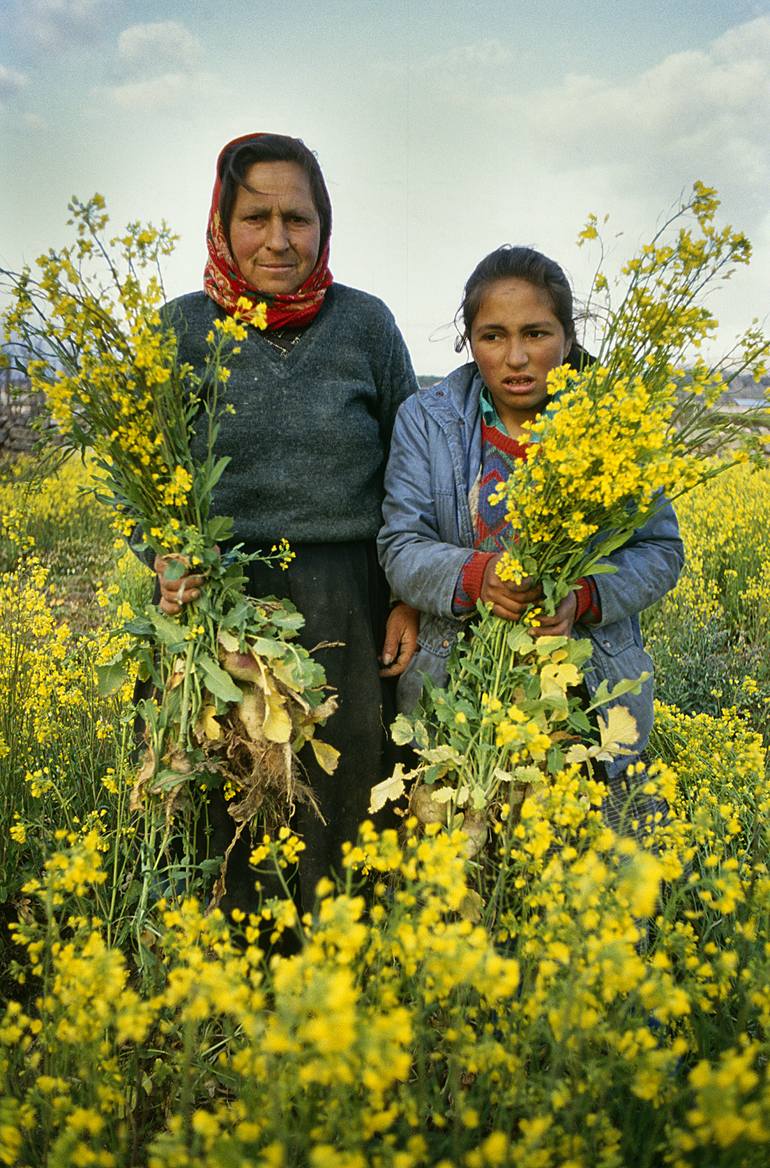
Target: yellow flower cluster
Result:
[[638, 422], [598, 1006], [709, 635], [115, 386]]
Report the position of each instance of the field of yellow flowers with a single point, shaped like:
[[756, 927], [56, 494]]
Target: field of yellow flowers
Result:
[[616, 1014]]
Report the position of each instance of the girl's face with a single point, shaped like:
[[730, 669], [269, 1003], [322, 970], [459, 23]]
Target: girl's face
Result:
[[516, 339]]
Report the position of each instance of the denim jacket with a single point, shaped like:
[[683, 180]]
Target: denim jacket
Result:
[[428, 536]]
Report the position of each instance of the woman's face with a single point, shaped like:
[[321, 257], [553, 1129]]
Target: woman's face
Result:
[[275, 232], [516, 339]]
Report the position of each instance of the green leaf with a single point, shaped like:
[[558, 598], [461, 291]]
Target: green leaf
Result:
[[265, 647], [402, 731], [604, 694], [580, 651], [168, 631], [219, 528], [549, 586], [216, 473], [545, 645], [284, 619], [166, 780], [519, 640], [238, 615], [139, 626], [601, 569], [580, 721], [110, 678], [175, 569], [218, 681], [555, 760]]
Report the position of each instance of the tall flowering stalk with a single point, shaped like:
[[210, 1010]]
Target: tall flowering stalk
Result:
[[234, 696], [641, 420], [637, 425]]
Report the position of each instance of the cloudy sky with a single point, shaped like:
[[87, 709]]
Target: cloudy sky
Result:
[[443, 128]]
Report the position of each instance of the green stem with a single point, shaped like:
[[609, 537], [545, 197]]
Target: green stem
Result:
[[185, 711]]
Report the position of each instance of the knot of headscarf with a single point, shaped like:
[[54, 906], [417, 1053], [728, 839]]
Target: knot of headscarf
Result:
[[223, 282]]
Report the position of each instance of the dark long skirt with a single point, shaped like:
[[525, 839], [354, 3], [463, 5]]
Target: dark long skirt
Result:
[[342, 593]]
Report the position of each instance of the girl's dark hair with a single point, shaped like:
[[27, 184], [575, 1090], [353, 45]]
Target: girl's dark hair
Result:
[[521, 263], [236, 161]]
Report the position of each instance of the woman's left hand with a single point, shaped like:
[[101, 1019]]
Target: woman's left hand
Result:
[[400, 639], [560, 624]]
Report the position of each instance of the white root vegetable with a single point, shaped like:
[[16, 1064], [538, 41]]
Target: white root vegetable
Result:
[[424, 805]]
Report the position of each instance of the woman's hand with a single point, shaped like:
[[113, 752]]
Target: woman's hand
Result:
[[560, 624], [175, 593], [509, 601], [400, 639]]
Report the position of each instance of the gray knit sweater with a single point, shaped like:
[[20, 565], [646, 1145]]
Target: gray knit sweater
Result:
[[310, 434]]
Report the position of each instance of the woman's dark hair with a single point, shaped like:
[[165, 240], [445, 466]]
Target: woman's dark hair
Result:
[[236, 161], [521, 263]]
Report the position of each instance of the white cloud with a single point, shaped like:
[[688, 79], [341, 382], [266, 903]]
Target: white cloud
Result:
[[697, 113], [496, 161], [11, 83], [165, 47], [51, 21], [166, 91], [478, 55], [161, 66]]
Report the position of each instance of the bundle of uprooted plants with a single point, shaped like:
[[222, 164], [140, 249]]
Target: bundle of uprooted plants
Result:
[[233, 696], [640, 424]]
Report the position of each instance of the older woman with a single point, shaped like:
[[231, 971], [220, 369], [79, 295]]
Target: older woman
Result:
[[315, 396]]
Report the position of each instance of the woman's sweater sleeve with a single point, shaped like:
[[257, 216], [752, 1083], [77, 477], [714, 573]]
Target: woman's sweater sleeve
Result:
[[396, 377]]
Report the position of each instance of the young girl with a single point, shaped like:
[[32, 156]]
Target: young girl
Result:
[[454, 442]]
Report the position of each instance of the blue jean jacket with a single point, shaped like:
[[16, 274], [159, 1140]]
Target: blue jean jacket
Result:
[[428, 536]]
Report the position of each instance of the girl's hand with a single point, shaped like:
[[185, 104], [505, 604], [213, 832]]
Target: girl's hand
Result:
[[175, 593], [560, 624], [400, 639], [509, 601]]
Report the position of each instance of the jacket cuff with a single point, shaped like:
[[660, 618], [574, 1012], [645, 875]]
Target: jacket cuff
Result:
[[589, 606], [468, 587]]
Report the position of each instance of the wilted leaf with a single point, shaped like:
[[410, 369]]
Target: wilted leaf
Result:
[[556, 678], [577, 753], [471, 906], [208, 725], [277, 725], [619, 728], [326, 756], [389, 789], [442, 794], [285, 672], [251, 712]]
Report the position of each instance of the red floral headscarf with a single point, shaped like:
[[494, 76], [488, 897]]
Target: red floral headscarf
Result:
[[223, 282]]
